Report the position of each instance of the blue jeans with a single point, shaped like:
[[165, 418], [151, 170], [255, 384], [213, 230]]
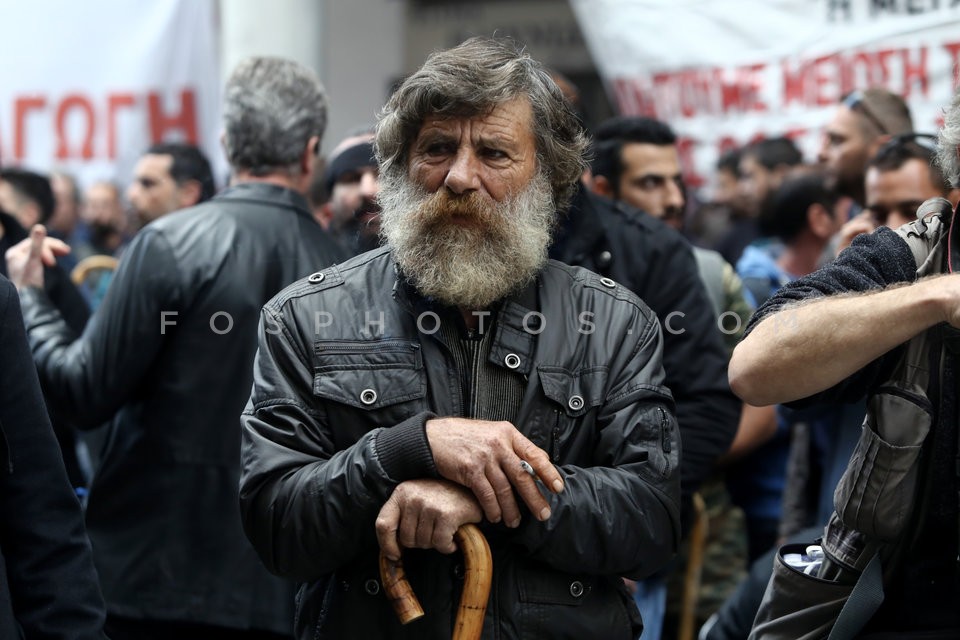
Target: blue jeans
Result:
[[651, 599]]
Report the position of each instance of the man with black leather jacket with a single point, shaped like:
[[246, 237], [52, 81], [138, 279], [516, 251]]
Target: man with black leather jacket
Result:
[[457, 376], [656, 263], [167, 360]]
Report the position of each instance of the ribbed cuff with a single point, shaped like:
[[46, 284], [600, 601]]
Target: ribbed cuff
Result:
[[403, 449]]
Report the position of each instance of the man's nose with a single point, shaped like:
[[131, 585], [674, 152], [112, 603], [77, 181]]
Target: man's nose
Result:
[[675, 196], [464, 172], [369, 185], [822, 152]]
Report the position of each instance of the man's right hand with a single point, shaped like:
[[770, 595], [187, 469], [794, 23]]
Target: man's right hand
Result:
[[485, 457], [425, 514], [26, 259], [860, 224]]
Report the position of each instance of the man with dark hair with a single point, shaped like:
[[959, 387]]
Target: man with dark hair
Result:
[[457, 384], [167, 360], [880, 323], [66, 211], [903, 174], [352, 184], [636, 162], [801, 215], [169, 177], [900, 177], [861, 123], [106, 220], [763, 166], [27, 196], [655, 262]]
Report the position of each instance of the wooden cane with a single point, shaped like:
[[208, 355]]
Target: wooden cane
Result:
[[478, 573]]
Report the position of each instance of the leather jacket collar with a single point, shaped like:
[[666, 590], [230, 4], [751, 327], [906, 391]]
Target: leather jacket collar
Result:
[[518, 321]]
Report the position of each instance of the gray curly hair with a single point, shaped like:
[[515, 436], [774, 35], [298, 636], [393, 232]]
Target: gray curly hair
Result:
[[471, 79], [948, 143], [271, 109]]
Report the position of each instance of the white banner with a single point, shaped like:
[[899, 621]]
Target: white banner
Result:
[[88, 86], [725, 72]]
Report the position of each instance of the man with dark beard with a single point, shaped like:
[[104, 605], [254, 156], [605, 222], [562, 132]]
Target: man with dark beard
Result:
[[351, 181], [457, 376], [860, 125]]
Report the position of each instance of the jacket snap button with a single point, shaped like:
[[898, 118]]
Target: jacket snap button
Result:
[[315, 277], [575, 403], [512, 361], [576, 588], [368, 396], [372, 587], [604, 259], [607, 282]]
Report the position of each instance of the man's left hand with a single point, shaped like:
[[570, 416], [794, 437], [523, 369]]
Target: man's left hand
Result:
[[493, 459]]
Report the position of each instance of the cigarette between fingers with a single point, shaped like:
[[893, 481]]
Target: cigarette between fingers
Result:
[[526, 467]]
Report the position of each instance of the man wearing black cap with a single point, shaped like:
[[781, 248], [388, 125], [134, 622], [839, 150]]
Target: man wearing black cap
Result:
[[352, 184]]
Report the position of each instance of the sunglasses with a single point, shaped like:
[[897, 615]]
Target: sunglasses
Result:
[[854, 102], [926, 142]]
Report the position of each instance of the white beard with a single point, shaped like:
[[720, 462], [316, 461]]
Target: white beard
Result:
[[498, 248]]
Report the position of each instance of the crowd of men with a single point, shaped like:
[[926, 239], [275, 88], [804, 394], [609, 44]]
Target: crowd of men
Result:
[[454, 319]]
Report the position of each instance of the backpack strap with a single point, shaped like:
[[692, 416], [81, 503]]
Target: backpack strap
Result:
[[861, 605]]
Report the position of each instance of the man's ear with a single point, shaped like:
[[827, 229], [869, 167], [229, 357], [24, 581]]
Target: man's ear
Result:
[[820, 221], [602, 186], [324, 214], [189, 193], [308, 159]]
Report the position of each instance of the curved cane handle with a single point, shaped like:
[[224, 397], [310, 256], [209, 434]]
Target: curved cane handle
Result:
[[478, 574]]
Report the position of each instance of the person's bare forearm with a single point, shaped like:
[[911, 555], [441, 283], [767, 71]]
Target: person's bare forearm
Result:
[[809, 347]]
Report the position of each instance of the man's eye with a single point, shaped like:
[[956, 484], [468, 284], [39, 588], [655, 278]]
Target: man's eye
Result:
[[494, 154], [439, 148], [879, 215], [649, 183], [147, 183], [348, 177]]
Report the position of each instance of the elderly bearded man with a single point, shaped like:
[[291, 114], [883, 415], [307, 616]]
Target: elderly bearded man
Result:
[[396, 395]]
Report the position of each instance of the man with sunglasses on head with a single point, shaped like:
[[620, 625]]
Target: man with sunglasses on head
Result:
[[861, 124], [849, 331], [900, 177]]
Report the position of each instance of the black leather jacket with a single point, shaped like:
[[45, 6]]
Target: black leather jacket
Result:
[[321, 456], [656, 263], [48, 586], [168, 358]]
